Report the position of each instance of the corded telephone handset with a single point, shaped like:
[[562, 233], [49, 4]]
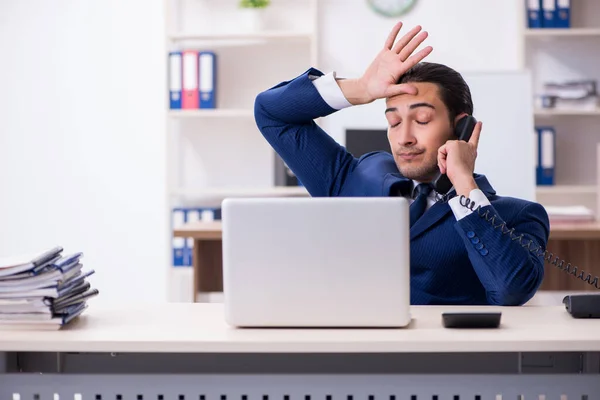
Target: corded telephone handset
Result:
[[463, 131], [579, 306]]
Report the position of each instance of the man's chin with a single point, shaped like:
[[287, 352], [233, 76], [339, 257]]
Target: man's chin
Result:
[[420, 174]]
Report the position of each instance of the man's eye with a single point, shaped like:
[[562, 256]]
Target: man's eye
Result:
[[395, 125], [422, 122]]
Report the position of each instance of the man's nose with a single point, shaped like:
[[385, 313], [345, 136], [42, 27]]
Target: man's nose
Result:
[[405, 136]]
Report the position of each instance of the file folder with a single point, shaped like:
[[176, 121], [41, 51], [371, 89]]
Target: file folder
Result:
[[178, 252], [190, 80], [191, 215], [188, 252], [207, 79], [548, 13], [178, 244], [177, 218], [563, 14], [536, 157], [534, 13], [547, 151], [175, 80]]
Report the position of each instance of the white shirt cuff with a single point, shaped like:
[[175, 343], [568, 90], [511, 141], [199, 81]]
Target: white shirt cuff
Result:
[[476, 196], [330, 91]]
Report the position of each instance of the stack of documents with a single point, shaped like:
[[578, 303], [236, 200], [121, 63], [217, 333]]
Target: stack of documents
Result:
[[569, 214], [571, 95], [44, 291]]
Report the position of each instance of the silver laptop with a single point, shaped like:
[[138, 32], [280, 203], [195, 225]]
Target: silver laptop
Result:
[[316, 262]]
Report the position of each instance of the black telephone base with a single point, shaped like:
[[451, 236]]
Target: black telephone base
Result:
[[583, 305]]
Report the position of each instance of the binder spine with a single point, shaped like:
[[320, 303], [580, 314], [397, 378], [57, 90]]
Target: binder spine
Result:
[[190, 80], [534, 13], [563, 14], [207, 79], [547, 157], [178, 244], [549, 13], [175, 80], [536, 157]]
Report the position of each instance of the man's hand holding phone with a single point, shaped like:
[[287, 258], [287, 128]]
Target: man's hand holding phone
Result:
[[456, 159]]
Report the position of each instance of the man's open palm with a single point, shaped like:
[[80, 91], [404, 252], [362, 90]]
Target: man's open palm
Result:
[[380, 80]]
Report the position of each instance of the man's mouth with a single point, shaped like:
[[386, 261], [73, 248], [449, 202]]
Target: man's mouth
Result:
[[409, 156]]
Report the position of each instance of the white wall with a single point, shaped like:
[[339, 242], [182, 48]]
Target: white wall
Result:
[[463, 33], [82, 138]]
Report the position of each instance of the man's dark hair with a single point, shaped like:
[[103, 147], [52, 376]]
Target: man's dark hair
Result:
[[454, 91]]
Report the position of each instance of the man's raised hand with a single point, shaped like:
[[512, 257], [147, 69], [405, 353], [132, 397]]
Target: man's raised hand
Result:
[[380, 80]]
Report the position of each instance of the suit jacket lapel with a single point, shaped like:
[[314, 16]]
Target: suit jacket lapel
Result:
[[429, 218]]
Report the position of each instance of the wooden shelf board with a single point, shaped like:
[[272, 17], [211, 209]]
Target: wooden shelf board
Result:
[[574, 230], [213, 197], [558, 112], [206, 230], [273, 191], [212, 230], [237, 36], [566, 189], [564, 32]]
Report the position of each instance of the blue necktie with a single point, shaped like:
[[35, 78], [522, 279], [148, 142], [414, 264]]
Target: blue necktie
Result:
[[417, 208]]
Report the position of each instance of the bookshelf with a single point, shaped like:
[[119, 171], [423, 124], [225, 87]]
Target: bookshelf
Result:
[[214, 153], [559, 55], [248, 62], [563, 54]]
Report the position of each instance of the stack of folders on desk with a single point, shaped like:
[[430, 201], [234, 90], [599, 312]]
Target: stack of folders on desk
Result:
[[44, 291]]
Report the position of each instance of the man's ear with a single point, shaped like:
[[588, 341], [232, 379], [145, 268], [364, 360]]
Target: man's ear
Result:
[[458, 117]]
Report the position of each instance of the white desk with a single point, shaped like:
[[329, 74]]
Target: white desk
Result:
[[188, 350]]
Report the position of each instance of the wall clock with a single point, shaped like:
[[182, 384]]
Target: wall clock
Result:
[[391, 8]]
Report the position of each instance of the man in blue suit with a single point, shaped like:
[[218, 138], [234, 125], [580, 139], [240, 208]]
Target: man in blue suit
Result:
[[458, 256]]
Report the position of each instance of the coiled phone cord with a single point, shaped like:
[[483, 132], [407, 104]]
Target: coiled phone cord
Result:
[[538, 250]]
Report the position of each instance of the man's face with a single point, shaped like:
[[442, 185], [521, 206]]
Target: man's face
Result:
[[418, 126]]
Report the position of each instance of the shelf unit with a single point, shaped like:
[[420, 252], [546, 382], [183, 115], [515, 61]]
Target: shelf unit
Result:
[[217, 153], [245, 66], [568, 54], [562, 55]]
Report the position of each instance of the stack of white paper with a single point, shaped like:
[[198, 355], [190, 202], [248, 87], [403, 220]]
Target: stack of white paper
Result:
[[569, 214], [44, 291]]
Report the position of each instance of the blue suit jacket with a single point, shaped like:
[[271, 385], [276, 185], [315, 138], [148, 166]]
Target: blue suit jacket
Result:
[[452, 262]]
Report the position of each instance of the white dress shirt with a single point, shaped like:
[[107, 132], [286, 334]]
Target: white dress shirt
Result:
[[332, 94]]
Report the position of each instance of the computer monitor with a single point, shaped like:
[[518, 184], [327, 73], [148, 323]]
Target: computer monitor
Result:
[[362, 141]]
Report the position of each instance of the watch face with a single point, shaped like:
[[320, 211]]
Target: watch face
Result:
[[391, 8]]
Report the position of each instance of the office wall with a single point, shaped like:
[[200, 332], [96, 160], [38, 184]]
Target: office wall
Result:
[[459, 31], [82, 138]]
